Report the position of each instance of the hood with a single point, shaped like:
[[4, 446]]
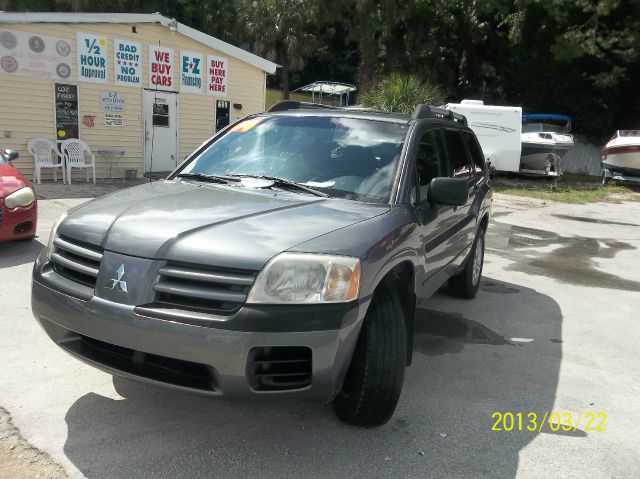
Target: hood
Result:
[[217, 225], [10, 180]]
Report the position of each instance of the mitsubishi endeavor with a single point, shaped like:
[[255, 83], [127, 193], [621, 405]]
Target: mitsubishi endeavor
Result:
[[285, 257]]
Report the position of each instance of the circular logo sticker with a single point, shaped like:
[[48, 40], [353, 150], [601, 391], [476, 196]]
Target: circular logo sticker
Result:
[[36, 44], [63, 70], [61, 134], [9, 64], [63, 48], [8, 40]]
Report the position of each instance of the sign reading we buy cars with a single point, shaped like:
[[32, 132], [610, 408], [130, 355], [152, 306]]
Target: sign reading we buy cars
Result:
[[160, 68]]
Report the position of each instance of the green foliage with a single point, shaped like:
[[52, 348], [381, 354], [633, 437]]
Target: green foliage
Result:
[[578, 57], [401, 94]]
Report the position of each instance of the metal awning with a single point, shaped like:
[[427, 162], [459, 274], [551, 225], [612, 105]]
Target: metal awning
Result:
[[331, 88]]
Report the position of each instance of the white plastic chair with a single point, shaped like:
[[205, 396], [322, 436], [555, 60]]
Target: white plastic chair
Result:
[[41, 149], [74, 156]]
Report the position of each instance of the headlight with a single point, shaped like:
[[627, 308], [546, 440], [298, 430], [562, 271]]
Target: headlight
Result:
[[54, 232], [307, 278], [22, 197]]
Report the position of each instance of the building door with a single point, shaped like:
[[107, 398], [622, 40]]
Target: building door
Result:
[[160, 110]]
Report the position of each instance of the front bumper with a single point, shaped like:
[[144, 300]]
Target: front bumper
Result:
[[18, 223], [207, 360]]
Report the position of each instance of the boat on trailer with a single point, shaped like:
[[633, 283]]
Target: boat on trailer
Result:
[[620, 157], [545, 140]]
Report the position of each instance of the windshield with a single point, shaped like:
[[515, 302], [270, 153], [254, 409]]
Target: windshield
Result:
[[344, 157]]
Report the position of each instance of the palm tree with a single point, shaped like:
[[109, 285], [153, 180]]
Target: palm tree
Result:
[[279, 30], [401, 94]]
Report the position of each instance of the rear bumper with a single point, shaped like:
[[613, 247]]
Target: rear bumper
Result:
[[216, 362]]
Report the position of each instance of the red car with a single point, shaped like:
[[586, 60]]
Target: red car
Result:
[[18, 205]]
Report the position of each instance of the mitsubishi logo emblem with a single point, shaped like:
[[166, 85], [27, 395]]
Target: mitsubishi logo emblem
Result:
[[117, 281]]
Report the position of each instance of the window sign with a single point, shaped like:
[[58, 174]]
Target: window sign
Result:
[[190, 72], [66, 111], [113, 119], [39, 56], [217, 76], [160, 68], [92, 58], [127, 58], [111, 100]]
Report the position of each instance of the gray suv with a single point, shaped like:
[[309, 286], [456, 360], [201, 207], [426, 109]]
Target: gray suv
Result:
[[285, 257]]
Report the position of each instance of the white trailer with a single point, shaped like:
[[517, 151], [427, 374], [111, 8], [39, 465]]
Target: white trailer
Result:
[[498, 129]]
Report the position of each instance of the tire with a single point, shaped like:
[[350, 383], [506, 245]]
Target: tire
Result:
[[465, 284], [373, 383]]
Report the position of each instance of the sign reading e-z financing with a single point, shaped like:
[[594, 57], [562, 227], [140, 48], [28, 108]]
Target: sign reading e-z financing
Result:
[[92, 58], [217, 76], [190, 72], [160, 68], [127, 62]]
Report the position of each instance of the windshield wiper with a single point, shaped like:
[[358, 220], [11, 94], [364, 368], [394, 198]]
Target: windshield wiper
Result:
[[282, 182], [205, 177]]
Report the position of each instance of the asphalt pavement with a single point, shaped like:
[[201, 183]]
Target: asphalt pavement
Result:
[[554, 329]]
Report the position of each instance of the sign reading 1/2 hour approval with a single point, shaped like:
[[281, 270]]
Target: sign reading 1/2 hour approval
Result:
[[92, 58], [127, 62], [160, 68]]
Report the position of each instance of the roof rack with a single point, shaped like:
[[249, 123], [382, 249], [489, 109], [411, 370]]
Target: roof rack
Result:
[[426, 111], [285, 105]]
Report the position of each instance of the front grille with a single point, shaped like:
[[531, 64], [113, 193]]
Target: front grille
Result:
[[151, 366], [76, 261], [279, 368], [194, 288]]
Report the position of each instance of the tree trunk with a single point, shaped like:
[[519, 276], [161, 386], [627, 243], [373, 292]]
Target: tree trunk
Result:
[[285, 82], [367, 46]]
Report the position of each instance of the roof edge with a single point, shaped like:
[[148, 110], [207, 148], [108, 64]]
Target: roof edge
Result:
[[201, 37]]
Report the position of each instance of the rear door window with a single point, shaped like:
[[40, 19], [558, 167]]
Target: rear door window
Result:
[[457, 152], [476, 154], [431, 160]]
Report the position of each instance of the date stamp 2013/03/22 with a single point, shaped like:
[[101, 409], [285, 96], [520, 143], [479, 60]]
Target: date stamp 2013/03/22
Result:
[[554, 421]]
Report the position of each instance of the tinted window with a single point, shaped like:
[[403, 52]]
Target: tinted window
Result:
[[346, 157], [457, 154], [476, 153], [431, 161]]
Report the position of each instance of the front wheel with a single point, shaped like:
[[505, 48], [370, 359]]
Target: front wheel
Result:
[[465, 284], [373, 383]]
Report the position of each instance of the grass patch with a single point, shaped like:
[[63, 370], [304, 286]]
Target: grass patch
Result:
[[571, 188]]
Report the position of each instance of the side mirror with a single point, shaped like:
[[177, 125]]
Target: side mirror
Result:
[[449, 191], [10, 155]]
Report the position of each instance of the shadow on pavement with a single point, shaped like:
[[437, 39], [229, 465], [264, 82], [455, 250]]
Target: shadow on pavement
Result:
[[15, 253], [466, 366], [82, 189]]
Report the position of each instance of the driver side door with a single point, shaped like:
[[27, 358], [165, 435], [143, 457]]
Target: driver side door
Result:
[[435, 222]]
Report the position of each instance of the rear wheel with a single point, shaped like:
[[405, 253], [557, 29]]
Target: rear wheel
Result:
[[372, 387], [465, 284]]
